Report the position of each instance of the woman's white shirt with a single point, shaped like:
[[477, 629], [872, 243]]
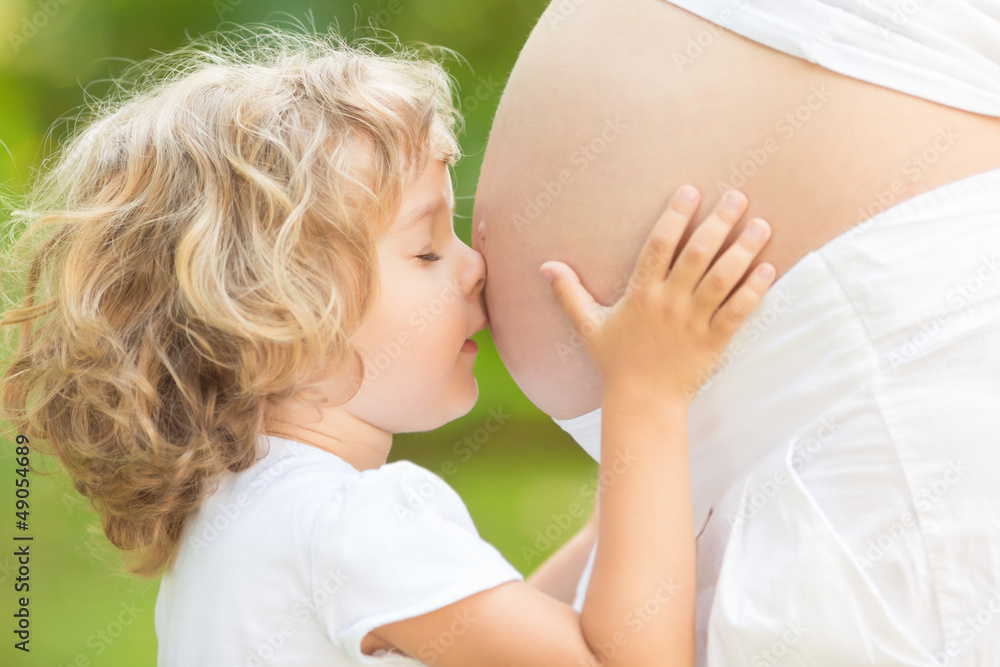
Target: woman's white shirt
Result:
[[845, 455], [947, 51]]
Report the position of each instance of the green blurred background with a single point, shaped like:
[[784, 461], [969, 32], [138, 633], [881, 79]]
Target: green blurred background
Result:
[[513, 479]]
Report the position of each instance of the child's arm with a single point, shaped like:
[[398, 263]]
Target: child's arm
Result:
[[560, 574], [650, 348]]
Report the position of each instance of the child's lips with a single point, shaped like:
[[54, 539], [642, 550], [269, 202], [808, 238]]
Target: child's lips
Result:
[[470, 345]]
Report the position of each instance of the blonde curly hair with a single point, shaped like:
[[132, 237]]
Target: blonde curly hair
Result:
[[205, 246]]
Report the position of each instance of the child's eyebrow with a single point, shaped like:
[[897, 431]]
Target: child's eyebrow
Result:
[[421, 212]]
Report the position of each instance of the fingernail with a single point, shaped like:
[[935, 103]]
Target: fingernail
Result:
[[733, 199], [547, 274], [688, 193], [765, 271], [757, 228]]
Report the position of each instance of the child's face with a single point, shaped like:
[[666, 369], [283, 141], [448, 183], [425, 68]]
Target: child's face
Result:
[[419, 363]]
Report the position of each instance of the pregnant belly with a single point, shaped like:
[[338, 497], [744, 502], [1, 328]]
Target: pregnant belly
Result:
[[608, 110]]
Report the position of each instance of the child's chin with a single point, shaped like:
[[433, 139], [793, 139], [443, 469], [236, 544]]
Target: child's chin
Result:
[[457, 409], [466, 403]]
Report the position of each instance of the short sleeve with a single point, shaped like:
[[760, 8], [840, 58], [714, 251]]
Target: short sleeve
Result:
[[395, 543]]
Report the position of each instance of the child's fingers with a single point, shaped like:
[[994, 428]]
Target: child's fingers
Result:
[[738, 307], [730, 267], [578, 304], [705, 242], [658, 250]]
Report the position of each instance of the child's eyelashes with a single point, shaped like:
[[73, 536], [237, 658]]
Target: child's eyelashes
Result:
[[429, 257]]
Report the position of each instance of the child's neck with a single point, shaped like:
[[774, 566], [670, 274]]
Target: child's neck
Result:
[[332, 429]]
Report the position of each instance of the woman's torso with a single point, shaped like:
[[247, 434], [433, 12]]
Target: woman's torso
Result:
[[611, 106]]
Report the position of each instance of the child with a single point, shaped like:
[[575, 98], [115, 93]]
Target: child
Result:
[[246, 281]]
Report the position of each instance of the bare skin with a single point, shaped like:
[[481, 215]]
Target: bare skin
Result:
[[599, 123]]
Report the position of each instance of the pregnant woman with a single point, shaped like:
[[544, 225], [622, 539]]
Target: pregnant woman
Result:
[[846, 453]]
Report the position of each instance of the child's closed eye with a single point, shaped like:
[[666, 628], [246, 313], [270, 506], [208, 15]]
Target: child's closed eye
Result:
[[429, 256]]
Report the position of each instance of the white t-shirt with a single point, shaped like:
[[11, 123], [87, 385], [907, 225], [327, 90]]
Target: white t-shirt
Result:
[[295, 560]]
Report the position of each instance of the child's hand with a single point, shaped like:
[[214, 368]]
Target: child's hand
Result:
[[671, 325]]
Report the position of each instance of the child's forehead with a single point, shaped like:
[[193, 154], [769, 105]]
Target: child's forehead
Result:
[[422, 214], [427, 190], [432, 177], [425, 201]]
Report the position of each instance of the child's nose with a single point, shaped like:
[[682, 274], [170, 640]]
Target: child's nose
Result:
[[474, 272]]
